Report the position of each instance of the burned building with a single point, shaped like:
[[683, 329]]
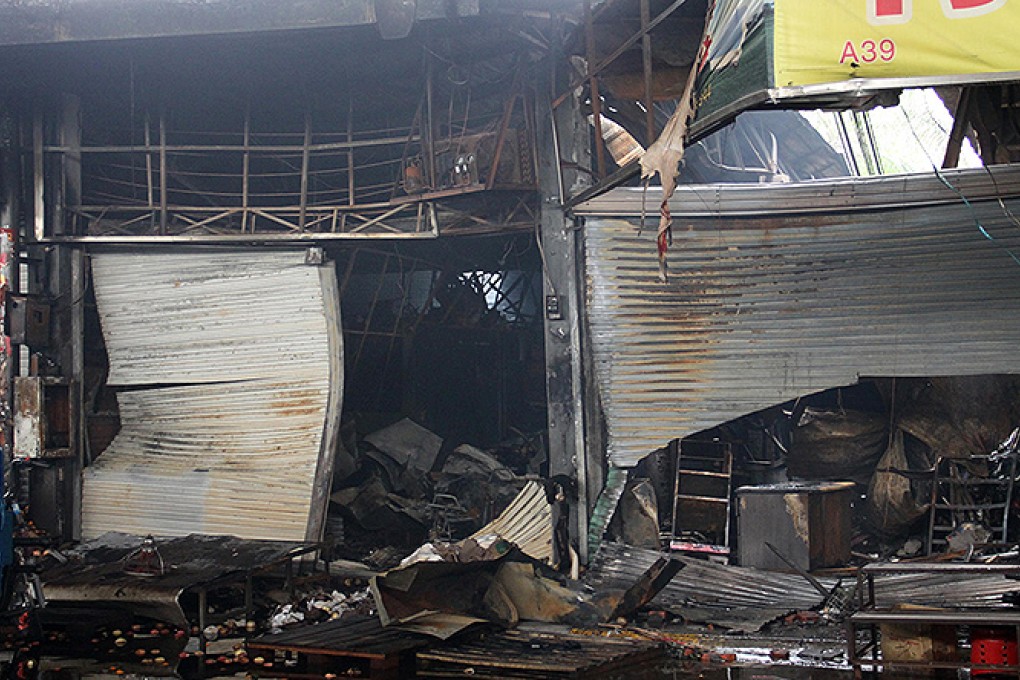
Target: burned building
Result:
[[360, 272]]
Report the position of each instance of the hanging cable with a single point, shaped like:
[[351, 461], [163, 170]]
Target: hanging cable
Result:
[[949, 185]]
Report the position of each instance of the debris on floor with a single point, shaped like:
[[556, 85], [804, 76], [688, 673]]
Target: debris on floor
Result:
[[533, 651], [478, 593], [403, 484], [738, 598]]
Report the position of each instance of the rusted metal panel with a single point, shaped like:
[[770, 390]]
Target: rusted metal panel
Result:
[[848, 194], [235, 363], [780, 291], [41, 417], [29, 321], [339, 642], [740, 598]]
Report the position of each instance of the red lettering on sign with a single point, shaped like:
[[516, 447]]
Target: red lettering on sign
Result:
[[961, 9], [849, 53], [867, 52], [887, 50], [890, 11], [889, 8], [882, 12]]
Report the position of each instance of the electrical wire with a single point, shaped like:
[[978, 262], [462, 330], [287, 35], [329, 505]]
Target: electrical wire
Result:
[[998, 196], [949, 185]]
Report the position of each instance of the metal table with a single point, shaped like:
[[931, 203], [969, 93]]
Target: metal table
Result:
[[869, 616]]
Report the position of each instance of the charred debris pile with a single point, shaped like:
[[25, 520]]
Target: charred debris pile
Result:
[[445, 558]]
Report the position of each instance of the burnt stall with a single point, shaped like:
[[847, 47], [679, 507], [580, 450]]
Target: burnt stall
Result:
[[887, 467], [444, 379]]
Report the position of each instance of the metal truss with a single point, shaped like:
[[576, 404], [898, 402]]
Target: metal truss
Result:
[[412, 217]]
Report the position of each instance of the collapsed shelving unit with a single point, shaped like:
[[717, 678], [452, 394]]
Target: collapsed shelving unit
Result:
[[976, 490]]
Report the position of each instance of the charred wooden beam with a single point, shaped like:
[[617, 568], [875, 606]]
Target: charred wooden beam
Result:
[[61, 21]]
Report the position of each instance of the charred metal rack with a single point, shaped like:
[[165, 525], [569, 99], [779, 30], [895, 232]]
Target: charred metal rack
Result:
[[197, 565], [870, 617], [959, 496]]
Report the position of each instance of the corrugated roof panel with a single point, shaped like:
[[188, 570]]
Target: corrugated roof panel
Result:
[[815, 197], [232, 432], [808, 290], [526, 522], [229, 315]]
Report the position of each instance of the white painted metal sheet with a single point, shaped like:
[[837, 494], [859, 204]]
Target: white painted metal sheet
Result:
[[526, 522], [233, 364]]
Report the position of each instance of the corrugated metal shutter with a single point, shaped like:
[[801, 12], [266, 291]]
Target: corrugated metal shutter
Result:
[[781, 291], [235, 363]]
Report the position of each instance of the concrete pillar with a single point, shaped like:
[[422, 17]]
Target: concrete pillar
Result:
[[563, 146]]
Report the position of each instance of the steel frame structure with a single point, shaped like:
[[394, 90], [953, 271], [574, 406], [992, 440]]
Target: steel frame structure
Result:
[[146, 206], [597, 66]]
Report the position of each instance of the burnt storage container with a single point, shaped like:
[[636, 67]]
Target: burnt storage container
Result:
[[808, 522]]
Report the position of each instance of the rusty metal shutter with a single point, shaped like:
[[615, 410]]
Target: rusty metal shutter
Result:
[[783, 290], [232, 362]]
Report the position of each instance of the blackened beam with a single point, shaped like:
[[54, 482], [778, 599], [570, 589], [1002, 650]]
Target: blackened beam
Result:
[[53, 21], [611, 182], [296, 149]]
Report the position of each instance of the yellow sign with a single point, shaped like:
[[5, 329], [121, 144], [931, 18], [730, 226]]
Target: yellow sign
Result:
[[825, 41]]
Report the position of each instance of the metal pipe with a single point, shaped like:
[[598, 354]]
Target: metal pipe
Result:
[[245, 169], [557, 160], [646, 64], [305, 159], [281, 238], [79, 438], [427, 129], [38, 178], [959, 131], [148, 164], [239, 148], [577, 392], [162, 174], [593, 91], [350, 151]]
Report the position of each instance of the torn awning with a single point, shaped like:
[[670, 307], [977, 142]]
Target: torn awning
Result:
[[229, 365]]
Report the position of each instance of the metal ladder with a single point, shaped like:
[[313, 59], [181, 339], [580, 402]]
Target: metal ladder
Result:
[[701, 499]]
